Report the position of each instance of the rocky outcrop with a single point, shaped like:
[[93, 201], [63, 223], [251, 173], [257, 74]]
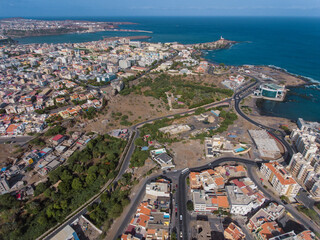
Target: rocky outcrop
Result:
[[220, 44]]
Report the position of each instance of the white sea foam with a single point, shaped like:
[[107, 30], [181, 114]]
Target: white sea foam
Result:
[[317, 82]]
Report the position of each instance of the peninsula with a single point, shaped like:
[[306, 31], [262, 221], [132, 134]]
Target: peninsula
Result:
[[21, 27], [125, 139], [219, 44]]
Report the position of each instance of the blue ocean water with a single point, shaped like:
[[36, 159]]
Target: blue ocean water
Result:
[[286, 42]]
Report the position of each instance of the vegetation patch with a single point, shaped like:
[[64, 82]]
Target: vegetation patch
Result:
[[190, 94], [68, 187]]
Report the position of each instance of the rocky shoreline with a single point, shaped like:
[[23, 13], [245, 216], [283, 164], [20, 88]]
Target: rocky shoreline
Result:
[[219, 44]]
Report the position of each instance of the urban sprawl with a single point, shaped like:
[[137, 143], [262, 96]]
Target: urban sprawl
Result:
[[204, 167]]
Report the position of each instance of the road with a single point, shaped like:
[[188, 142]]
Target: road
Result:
[[238, 98], [138, 198], [181, 193], [125, 164], [250, 165], [16, 140]]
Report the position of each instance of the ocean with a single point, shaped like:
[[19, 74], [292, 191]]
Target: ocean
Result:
[[286, 42]]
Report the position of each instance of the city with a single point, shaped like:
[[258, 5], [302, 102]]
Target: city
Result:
[[131, 138]]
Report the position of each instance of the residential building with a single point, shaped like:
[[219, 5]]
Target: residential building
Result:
[[240, 203], [159, 189], [270, 213], [162, 158], [57, 139], [233, 232], [280, 179], [4, 186], [268, 230]]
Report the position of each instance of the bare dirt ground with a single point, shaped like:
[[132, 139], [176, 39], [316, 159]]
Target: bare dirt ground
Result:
[[187, 153], [141, 171], [269, 121], [209, 79], [137, 107], [282, 77], [6, 154]]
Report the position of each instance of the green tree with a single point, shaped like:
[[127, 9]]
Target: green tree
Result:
[[190, 205], [8, 201], [116, 210], [64, 187], [139, 142], [47, 193], [76, 184], [91, 177], [33, 207], [40, 188], [66, 176]]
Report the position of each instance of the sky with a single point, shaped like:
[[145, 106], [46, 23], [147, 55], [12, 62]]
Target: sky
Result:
[[104, 8]]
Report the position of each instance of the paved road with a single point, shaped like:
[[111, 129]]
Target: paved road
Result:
[[16, 140], [272, 131], [126, 161], [251, 165], [182, 186], [138, 198], [182, 209], [294, 212]]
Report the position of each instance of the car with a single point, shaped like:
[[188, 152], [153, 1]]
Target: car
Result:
[[180, 217], [284, 202]]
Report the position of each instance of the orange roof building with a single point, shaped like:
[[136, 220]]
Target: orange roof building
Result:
[[280, 179], [306, 235], [195, 182], [12, 129], [240, 168], [223, 201], [233, 232], [269, 230]]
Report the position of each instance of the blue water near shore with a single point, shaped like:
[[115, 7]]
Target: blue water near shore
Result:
[[289, 43]]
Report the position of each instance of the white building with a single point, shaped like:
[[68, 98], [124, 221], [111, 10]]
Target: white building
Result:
[[207, 180], [240, 203], [304, 141], [124, 64], [283, 183], [4, 186], [158, 189], [199, 201]]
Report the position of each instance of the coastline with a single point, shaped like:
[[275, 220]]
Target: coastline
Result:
[[269, 112], [298, 80], [307, 80]]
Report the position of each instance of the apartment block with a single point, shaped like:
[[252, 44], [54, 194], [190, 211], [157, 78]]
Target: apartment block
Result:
[[280, 179]]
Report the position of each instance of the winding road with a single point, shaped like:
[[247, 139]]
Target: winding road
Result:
[[181, 175]]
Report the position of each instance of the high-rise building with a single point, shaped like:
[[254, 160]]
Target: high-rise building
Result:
[[280, 179]]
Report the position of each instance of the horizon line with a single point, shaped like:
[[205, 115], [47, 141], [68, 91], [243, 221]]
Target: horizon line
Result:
[[153, 16]]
